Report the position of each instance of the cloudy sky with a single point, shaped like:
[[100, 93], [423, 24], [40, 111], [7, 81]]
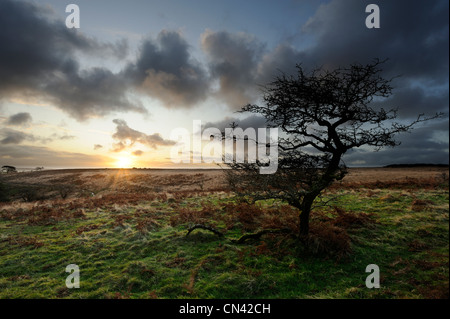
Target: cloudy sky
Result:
[[110, 93]]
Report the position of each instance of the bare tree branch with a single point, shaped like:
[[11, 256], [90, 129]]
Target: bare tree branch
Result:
[[322, 114]]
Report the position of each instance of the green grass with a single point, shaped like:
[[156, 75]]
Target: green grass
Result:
[[408, 238]]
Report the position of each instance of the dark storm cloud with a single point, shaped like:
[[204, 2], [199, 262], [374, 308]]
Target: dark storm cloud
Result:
[[165, 70], [90, 93], [233, 60], [282, 59], [37, 61], [412, 100], [417, 31], [126, 137], [413, 35], [19, 119]]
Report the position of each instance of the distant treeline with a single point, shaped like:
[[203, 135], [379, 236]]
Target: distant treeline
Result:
[[415, 165]]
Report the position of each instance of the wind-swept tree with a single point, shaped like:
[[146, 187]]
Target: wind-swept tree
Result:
[[321, 116]]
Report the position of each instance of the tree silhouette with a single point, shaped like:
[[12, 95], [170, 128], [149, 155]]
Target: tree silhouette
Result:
[[321, 115], [9, 169]]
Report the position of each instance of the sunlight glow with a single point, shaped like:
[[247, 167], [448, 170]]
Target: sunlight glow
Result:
[[124, 162]]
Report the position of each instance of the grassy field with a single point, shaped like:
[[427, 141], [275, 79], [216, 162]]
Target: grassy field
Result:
[[128, 233]]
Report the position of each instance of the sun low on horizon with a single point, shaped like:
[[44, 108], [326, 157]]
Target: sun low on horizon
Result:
[[108, 90], [124, 162]]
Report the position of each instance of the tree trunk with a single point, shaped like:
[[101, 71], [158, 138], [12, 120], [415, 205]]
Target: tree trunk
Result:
[[304, 215], [304, 224], [308, 199], [326, 179]]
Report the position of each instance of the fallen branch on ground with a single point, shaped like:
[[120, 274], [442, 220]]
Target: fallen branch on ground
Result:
[[243, 238], [211, 229], [258, 235]]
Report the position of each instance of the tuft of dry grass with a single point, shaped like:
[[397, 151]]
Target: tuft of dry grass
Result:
[[147, 224], [421, 205]]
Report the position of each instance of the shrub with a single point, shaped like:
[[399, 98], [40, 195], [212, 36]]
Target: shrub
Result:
[[352, 220], [326, 238], [64, 190], [147, 224], [3, 195], [31, 193], [119, 220], [421, 205]]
